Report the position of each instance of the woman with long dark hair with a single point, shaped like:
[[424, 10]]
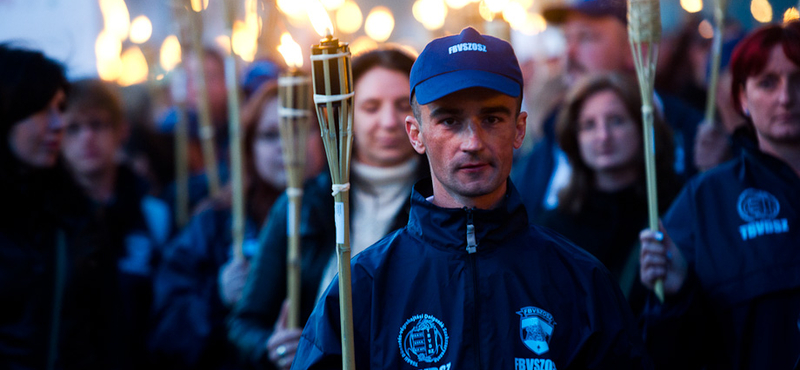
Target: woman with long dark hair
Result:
[[604, 205]]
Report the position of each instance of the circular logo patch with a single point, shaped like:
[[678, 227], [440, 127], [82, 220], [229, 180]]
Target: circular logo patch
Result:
[[755, 204], [423, 338]]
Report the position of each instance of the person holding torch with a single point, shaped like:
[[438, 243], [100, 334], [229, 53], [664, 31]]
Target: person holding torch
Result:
[[468, 283], [727, 250]]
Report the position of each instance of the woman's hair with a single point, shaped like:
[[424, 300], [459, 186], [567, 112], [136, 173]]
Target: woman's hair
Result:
[[573, 197], [752, 55], [388, 57], [28, 82]]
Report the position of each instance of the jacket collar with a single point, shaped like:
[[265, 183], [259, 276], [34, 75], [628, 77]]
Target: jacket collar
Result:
[[447, 227]]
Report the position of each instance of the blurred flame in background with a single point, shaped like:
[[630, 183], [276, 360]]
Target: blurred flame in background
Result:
[[761, 10], [379, 24], [170, 53], [141, 29], [431, 13], [199, 5], [791, 14], [291, 51], [134, 67], [692, 6], [349, 17]]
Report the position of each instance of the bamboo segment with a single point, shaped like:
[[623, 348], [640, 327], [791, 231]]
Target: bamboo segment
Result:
[[203, 110], [235, 138], [644, 32], [178, 88], [333, 96], [294, 91], [716, 51]]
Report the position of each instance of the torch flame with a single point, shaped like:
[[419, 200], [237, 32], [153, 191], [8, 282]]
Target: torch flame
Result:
[[170, 53], [291, 51], [319, 18]]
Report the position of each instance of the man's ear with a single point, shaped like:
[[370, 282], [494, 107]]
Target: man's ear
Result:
[[520, 127], [415, 134]]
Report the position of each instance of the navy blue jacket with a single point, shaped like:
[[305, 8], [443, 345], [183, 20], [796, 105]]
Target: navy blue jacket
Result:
[[525, 298], [737, 226]]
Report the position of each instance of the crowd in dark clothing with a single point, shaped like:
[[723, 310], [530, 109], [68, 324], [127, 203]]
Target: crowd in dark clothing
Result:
[[97, 273]]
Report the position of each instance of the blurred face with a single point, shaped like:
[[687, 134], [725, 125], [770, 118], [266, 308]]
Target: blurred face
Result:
[[381, 106], [36, 140], [773, 99], [608, 138], [470, 137], [91, 141], [267, 147], [595, 45]]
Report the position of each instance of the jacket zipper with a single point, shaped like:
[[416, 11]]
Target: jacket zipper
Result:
[[472, 247]]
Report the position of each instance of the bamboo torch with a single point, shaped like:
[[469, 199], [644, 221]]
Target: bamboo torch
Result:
[[294, 110], [171, 59], [203, 111], [644, 32], [235, 137], [716, 51], [333, 97]]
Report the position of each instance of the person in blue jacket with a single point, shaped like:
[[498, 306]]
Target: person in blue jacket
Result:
[[468, 284], [728, 250]]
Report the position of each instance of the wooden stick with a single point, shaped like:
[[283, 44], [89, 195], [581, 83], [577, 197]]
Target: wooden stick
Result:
[[293, 94], [334, 101], [716, 51], [644, 32], [177, 79], [203, 111], [235, 139]]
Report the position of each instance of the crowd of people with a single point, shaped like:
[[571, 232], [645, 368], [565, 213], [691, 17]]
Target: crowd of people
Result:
[[477, 241]]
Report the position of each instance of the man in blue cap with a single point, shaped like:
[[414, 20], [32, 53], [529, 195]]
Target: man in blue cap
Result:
[[468, 284]]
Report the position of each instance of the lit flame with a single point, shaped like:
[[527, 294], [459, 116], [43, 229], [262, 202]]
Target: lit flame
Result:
[[134, 67], [761, 10], [485, 12], [349, 17], [692, 6], [292, 8], [457, 4], [319, 18], [116, 18], [109, 69], [431, 13], [199, 5], [791, 14], [379, 24], [141, 29], [496, 6], [332, 4], [244, 41], [515, 15], [107, 46], [170, 53], [291, 51]]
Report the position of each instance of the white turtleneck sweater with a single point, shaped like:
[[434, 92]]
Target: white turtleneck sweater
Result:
[[377, 195]]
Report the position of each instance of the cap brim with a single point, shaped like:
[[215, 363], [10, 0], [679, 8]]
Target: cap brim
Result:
[[445, 84]]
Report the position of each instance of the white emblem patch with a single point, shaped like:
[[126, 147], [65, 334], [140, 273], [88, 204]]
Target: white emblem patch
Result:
[[423, 338], [759, 209], [536, 328]]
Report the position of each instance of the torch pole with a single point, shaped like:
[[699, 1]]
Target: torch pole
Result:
[[333, 96], [294, 111], [235, 138], [644, 32], [716, 51], [204, 114]]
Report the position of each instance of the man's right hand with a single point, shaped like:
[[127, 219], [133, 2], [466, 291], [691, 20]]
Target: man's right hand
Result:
[[660, 259], [282, 344]]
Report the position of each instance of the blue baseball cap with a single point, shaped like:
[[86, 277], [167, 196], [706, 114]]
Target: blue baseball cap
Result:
[[594, 8], [462, 61]]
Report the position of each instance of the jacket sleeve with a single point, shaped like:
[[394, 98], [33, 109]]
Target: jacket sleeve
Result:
[[187, 311], [254, 316]]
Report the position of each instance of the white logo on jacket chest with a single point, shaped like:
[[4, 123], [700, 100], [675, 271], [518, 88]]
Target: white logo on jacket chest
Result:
[[759, 209], [536, 328], [423, 338]]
